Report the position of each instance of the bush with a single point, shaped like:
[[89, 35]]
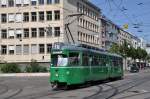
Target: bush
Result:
[[34, 67], [0, 67], [10, 68]]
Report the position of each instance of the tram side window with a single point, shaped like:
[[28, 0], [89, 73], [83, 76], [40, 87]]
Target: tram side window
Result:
[[95, 61], [85, 60], [103, 62], [120, 62], [115, 62], [74, 59]]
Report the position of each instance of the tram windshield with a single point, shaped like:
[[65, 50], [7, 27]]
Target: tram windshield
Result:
[[59, 60]]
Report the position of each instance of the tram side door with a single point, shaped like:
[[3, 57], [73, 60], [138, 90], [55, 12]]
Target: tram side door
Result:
[[87, 65]]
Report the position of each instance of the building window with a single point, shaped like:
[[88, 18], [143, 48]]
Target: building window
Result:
[[26, 17], [41, 32], [49, 1], [49, 31], [41, 48], [26, 33], [3, 49], [10, 3], [33, 16], [19, 33], [26, 2], [49, 15], [25, 49], [11, 17], [56, 1], [18, 17], [3, 18], [18, 49], [78, 6], [41, 2], [34, 49], [4, 34], [33, 2], [41, 16], [11, 49], [49, 47], [11, 33], [3, 3], [18, 3], [34, 32], [57, 31], [57, 15]]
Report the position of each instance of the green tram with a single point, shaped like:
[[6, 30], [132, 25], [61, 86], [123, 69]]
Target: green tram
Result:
[[71, 65]]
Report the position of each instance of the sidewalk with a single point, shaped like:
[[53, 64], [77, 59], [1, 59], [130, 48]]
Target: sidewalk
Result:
[[25, 75], [126, 73]]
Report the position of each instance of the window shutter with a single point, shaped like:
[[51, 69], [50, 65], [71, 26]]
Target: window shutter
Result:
[[4, 2], [34, 49], [26, 2], [19, 31], [33, 0], [18, 17], [18, 1], [26, 49], [11, 47], [18, 49], [11, 17], [11, 32]]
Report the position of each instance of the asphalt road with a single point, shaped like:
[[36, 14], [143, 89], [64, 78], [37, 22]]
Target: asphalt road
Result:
[[133, 86]]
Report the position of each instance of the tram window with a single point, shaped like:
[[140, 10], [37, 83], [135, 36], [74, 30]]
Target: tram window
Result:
[[95, 61], [120, 62], [103, 62], [85, 60], [74, 59], [115, 62], [59, 60]]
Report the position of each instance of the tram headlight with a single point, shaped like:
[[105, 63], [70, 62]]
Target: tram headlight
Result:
[[56, 75], [67, 72]]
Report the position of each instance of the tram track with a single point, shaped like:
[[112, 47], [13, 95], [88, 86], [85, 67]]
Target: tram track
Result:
[[129, 96], [116, 90], [14, 94], [138, 93], [39, 94], [100, 88], [4, 89]]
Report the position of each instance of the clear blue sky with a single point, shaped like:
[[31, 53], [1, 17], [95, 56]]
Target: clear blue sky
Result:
[[136, 13]]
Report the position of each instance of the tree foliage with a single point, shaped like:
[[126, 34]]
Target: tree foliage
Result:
[[126, 50]]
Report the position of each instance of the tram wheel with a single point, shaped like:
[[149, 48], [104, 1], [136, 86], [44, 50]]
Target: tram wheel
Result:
[[54, 86]]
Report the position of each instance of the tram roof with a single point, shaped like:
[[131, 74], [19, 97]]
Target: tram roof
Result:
[[100, 51]]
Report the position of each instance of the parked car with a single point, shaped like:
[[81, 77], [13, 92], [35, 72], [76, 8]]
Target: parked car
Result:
[[134, 68]]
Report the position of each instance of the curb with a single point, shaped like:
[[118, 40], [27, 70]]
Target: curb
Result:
[[25, 75]]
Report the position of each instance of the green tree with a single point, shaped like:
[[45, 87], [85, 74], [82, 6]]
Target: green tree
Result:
[[124, 50], [114, 49], [144, 55]]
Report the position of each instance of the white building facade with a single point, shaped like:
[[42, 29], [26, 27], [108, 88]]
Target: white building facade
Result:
[[28, 28]]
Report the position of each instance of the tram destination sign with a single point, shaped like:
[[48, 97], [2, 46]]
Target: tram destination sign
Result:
[[57, 52]]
